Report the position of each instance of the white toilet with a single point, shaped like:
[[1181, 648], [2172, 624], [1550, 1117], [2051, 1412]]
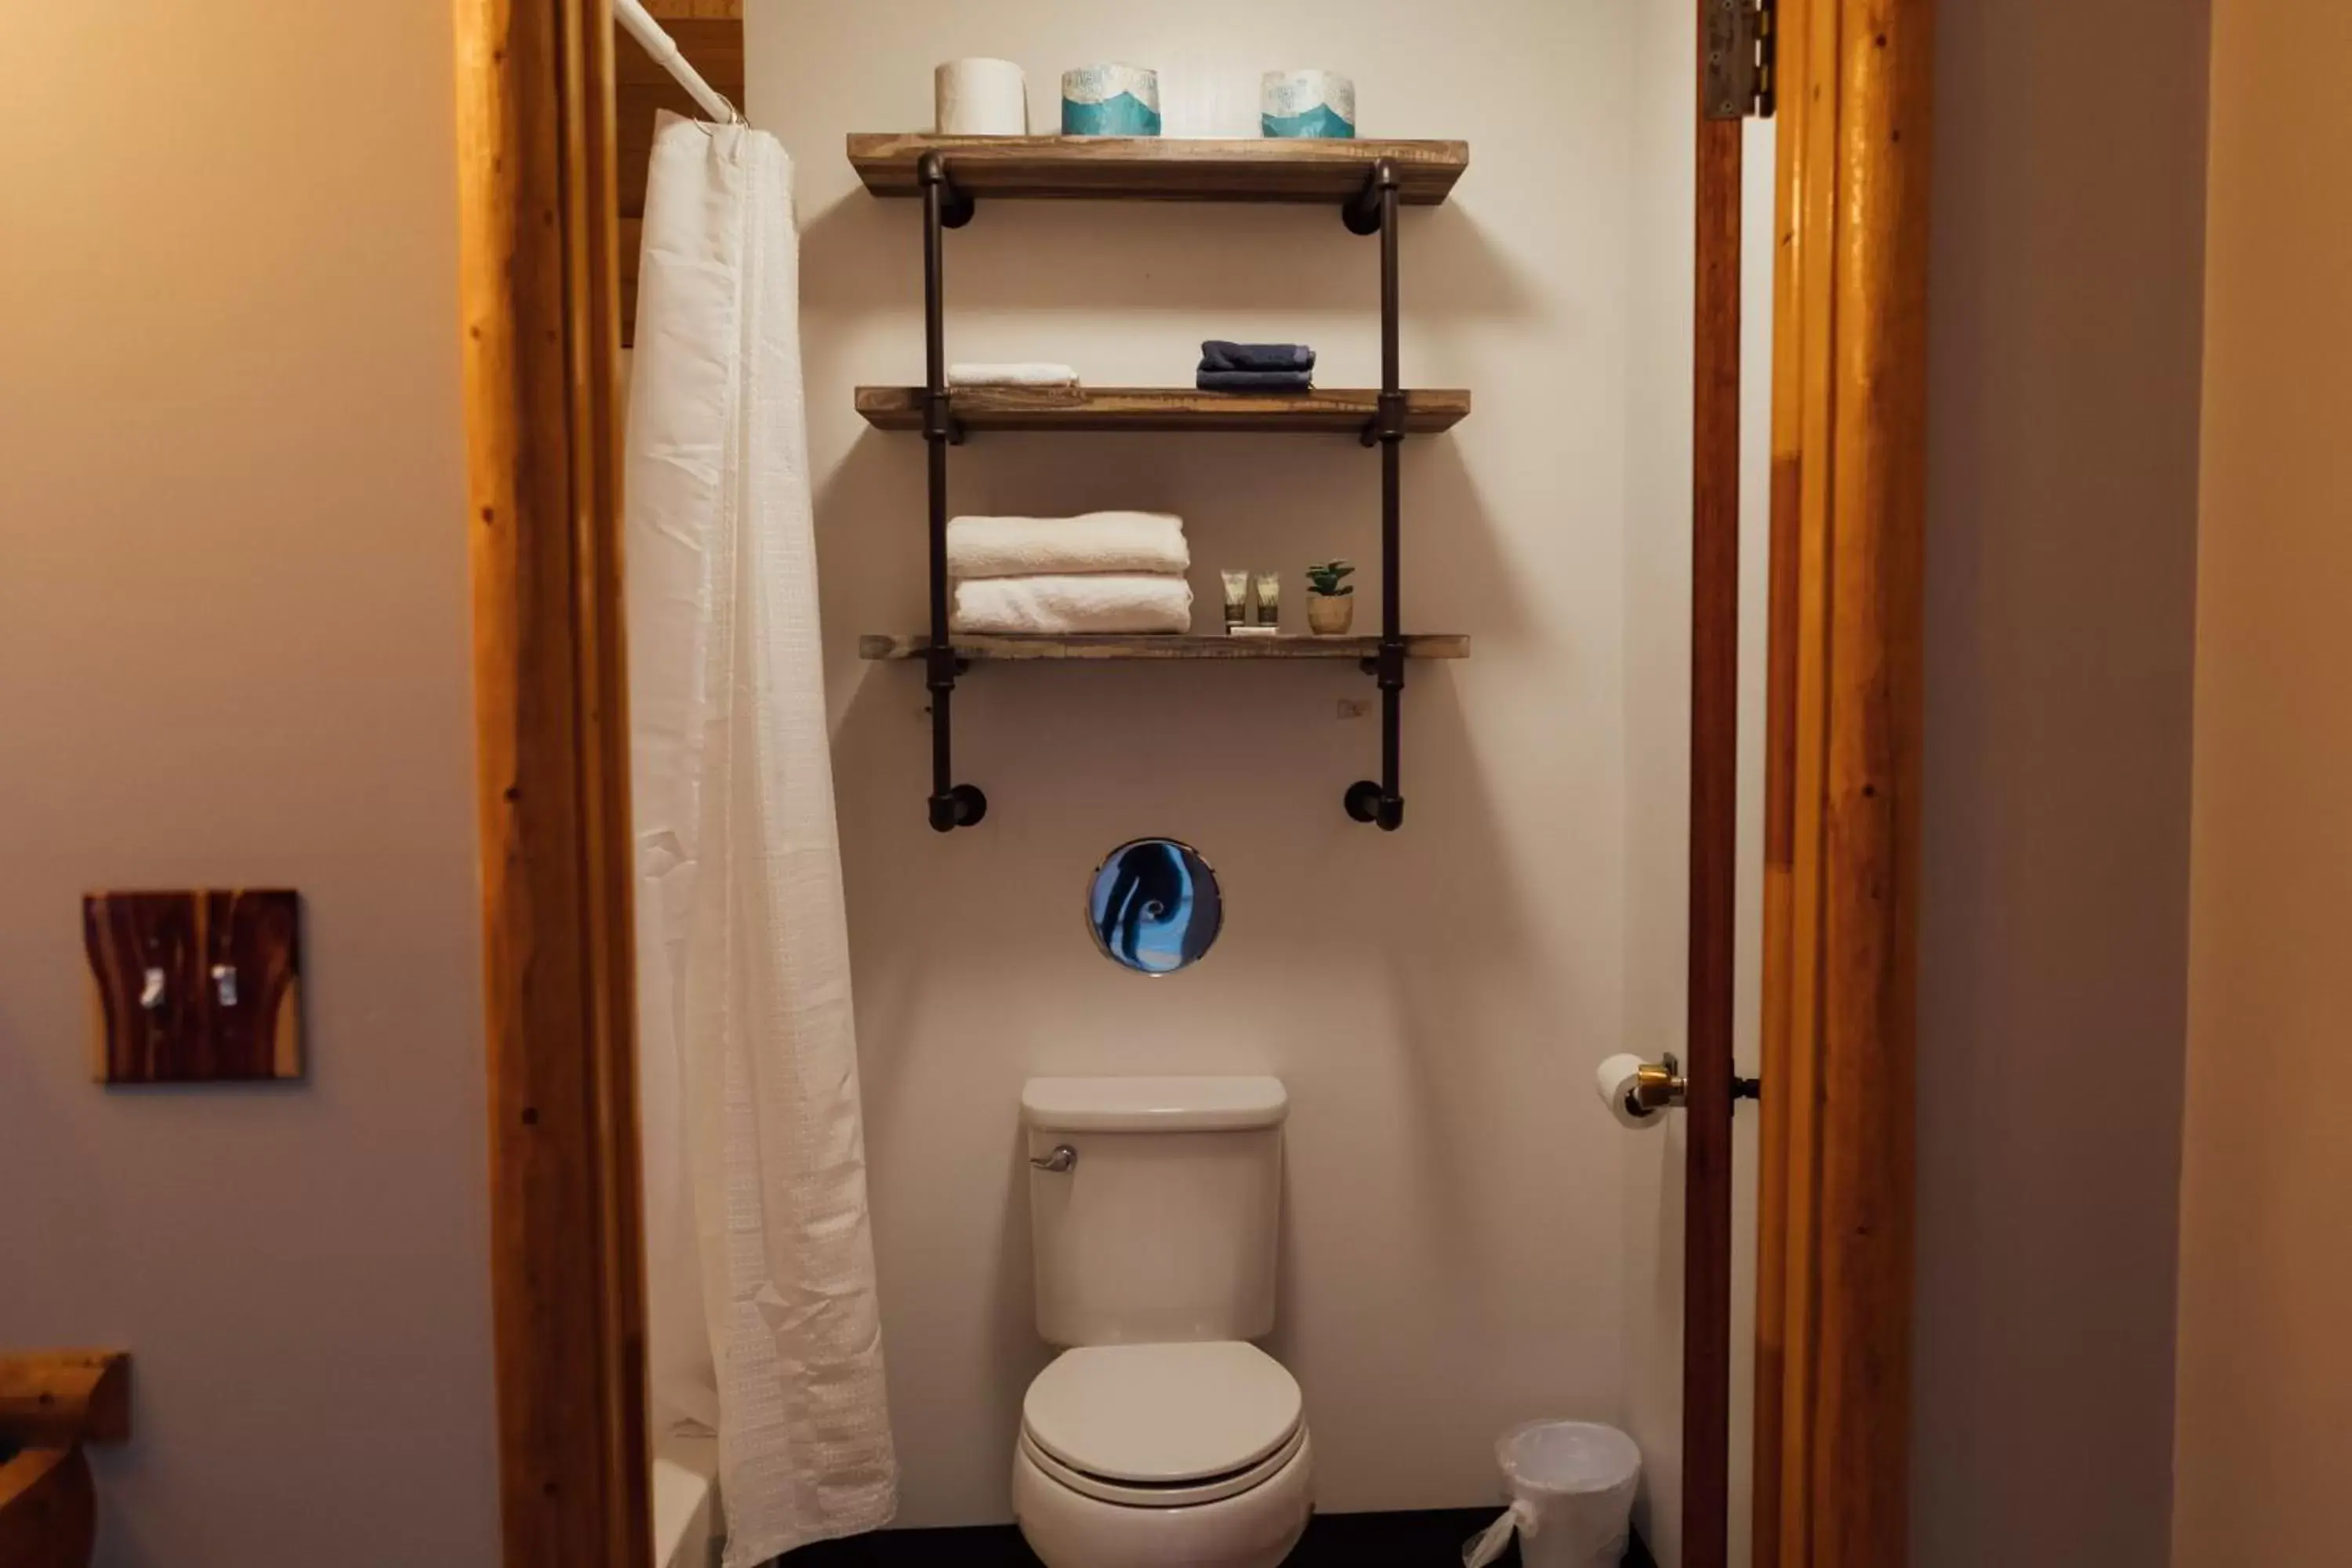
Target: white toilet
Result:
[[1160, 1437]]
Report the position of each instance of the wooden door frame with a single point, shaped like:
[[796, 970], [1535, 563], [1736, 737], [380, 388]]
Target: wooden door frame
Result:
[[1714, 871], [540, 309], [1843, 725], [541, 303]]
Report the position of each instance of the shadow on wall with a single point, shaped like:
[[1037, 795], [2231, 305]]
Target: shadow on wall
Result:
[[2065, 357], [1151, 255]]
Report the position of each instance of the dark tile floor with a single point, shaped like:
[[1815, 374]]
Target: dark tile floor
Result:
[[1426, 1540]]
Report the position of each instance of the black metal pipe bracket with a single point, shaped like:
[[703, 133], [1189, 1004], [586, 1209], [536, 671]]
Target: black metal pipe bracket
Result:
[[962, 807], [1361, 212], [939, 423], [1373, 210], [1386, 422], [956, 204], [952, 806]]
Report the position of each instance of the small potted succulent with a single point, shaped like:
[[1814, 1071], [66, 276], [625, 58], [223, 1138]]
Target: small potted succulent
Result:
[[1330, 599]]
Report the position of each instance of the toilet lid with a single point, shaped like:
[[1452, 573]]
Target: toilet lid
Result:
[[1161, 1414]]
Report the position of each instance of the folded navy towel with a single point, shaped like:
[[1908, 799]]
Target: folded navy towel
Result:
[[1255, 381], [1218, 354]]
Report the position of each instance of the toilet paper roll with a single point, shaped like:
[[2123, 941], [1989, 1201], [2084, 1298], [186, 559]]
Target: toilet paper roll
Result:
[[1614, 1079], [980, 98], [1307, 103], [1111, 100]]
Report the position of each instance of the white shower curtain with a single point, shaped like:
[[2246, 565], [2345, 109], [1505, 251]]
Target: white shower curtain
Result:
[[764, 1324]]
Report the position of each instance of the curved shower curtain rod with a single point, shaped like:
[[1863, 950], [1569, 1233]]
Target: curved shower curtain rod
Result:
[[633, 16]]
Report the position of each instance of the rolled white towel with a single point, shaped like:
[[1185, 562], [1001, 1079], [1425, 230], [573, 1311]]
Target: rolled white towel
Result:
[[1017, 373], [1105, 603], [1054, 546]]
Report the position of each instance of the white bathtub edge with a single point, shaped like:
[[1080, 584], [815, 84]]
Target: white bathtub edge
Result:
[[685, 1515]]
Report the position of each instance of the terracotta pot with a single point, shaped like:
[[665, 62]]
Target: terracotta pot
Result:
[[1330, 615]]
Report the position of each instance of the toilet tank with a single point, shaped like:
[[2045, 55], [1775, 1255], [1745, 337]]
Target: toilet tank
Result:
[[1164, 1227]]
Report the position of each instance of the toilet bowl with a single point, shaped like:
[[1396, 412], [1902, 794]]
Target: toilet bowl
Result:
[[1152, 1456], [1159, 1437]]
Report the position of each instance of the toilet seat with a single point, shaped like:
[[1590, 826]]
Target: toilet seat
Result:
[[1176, 1494], [1256, 1528], [1162, 1425]]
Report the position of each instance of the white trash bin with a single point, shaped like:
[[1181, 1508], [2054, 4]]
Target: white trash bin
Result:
[[1571, 1486]]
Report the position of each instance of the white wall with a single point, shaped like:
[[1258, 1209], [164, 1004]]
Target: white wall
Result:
[[233, 651], [1469, 1239], [2267, 1186], [2061, 536]]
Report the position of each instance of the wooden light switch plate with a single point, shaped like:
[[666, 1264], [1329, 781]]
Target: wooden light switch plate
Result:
[[196, 986]]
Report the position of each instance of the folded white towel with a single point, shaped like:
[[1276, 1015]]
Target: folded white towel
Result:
[[1052, 546], [1118, 602], [1020, 372]]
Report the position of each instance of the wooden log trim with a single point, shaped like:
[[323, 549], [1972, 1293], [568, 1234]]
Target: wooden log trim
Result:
[[58, 1398], [1870, 803], [1793, 254], [1843, 767], [540, 302], [48, 1509]]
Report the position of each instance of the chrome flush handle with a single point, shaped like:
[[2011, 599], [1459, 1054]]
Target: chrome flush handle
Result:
[[1062, 1159]]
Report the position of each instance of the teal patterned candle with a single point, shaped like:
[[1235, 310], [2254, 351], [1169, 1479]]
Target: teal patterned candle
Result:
[[1111, 100], [1307, 103]]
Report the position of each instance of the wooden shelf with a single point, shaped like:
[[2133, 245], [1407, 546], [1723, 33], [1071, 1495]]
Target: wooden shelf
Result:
[[1159, 169], [1342, 410], [1212, 645], [955, 175]]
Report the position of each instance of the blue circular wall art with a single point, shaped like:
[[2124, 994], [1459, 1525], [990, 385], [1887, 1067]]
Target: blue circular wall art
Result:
[[1153, 906]]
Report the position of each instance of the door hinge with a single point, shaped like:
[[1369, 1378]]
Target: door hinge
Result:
[[1739, 44]]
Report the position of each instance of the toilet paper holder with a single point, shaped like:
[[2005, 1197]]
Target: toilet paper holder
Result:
[[1654, 1087], [1657, 1086]]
